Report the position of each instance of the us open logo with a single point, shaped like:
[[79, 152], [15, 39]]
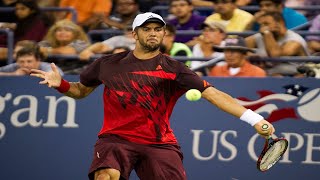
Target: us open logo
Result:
[[296, 102]]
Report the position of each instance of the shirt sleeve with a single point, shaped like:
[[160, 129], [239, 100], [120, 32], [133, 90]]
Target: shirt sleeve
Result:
[[79, 45], [187, 79], [90, 76]]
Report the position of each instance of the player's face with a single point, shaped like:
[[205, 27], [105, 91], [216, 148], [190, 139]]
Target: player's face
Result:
[[28, 61], [150, 36], [181, 8], [234, 58]]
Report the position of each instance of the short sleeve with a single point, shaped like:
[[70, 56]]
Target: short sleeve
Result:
[[187, 79], [90, 76], [79, 45]]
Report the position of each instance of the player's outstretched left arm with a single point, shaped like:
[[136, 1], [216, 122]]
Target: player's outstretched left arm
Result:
[[53, 79], [228, 104]]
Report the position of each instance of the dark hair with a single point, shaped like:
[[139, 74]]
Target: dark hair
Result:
[[30, 50], [26, 43], [277, 16], [215, 1], [274, 1], [23, 25], [171, 28], [32, 4], [188, 1]]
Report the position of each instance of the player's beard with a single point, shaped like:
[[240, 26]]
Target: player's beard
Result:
[[149, 47]]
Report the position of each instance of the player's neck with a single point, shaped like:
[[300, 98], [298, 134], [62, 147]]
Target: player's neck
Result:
[[140, 54]]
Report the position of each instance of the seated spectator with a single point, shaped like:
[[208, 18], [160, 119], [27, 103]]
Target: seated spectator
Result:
[[172, 48], [31, 23], [90, 13], [213, 34], [108, 45], [27, 58], [19, 45], [210, 3], [235, 52], [314, 40], [185, 19], [227, 13], [275, 40], [65, 38], [125, 12], [292, 17]]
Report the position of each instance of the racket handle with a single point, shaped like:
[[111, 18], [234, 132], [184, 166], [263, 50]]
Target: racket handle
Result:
[[264, 128]]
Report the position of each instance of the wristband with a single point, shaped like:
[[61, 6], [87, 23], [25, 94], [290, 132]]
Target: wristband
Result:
[[251, 117], [64, 86]]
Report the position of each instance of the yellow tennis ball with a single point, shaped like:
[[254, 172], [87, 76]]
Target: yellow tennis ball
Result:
[[193, 95]]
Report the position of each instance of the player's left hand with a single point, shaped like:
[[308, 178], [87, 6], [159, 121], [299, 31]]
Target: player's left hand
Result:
[[264, 132]]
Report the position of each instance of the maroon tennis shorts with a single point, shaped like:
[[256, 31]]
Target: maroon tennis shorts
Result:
[[151, 162]]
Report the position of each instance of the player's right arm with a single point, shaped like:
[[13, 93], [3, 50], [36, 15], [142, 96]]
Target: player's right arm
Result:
[[53, 79]]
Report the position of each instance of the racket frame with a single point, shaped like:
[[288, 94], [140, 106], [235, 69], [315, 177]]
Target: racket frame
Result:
[[267, 146]]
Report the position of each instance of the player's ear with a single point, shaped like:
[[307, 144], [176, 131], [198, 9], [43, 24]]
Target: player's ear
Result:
[[134, 34]]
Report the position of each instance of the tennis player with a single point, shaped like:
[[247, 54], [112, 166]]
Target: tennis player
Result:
[[141, 88]]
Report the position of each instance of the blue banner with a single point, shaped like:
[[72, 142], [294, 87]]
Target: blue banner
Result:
[[44, 135]]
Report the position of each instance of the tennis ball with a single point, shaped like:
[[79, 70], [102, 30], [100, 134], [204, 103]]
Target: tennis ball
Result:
[[193, 95]]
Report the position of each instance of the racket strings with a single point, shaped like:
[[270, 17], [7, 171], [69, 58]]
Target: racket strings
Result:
[[273, 155]]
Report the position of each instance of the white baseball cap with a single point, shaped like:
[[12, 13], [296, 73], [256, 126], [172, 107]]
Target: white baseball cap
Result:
[[147, 17]]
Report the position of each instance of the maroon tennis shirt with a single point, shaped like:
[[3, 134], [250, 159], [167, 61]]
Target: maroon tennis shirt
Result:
[[139, 95]]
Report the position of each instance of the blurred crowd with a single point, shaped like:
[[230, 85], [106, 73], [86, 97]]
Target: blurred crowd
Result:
[[242, 33]]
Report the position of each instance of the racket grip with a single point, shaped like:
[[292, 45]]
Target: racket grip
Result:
[[265, 127]]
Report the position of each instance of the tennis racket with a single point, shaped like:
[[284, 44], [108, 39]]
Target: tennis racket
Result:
[[272, 151]]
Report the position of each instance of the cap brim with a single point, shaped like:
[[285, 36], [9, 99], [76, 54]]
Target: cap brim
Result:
[[153, 20], [238, 48]]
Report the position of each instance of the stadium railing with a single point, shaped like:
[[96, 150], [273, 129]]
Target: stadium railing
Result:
[[112, 32], [10, 40], [208, 61], [163, 9], [74, 14]]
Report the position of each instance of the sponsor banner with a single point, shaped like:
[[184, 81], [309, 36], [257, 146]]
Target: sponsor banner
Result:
[[44, 135]]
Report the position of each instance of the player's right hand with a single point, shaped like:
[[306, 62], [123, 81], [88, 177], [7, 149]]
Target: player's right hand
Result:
[[262, 131], [51, 78]]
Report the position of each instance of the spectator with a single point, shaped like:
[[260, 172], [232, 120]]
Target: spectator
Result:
[[19, 45], [27, 58], [314, 40], [90, 12], [210, 3], [292, 18], [235, 51], [213, 34], [109, 44], [172, 48], [227, 13], [275, 40], [125, 12], [31, 24], [185, 19], [66, 38]]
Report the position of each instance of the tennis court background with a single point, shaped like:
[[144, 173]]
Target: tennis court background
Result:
[[43, 139]]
